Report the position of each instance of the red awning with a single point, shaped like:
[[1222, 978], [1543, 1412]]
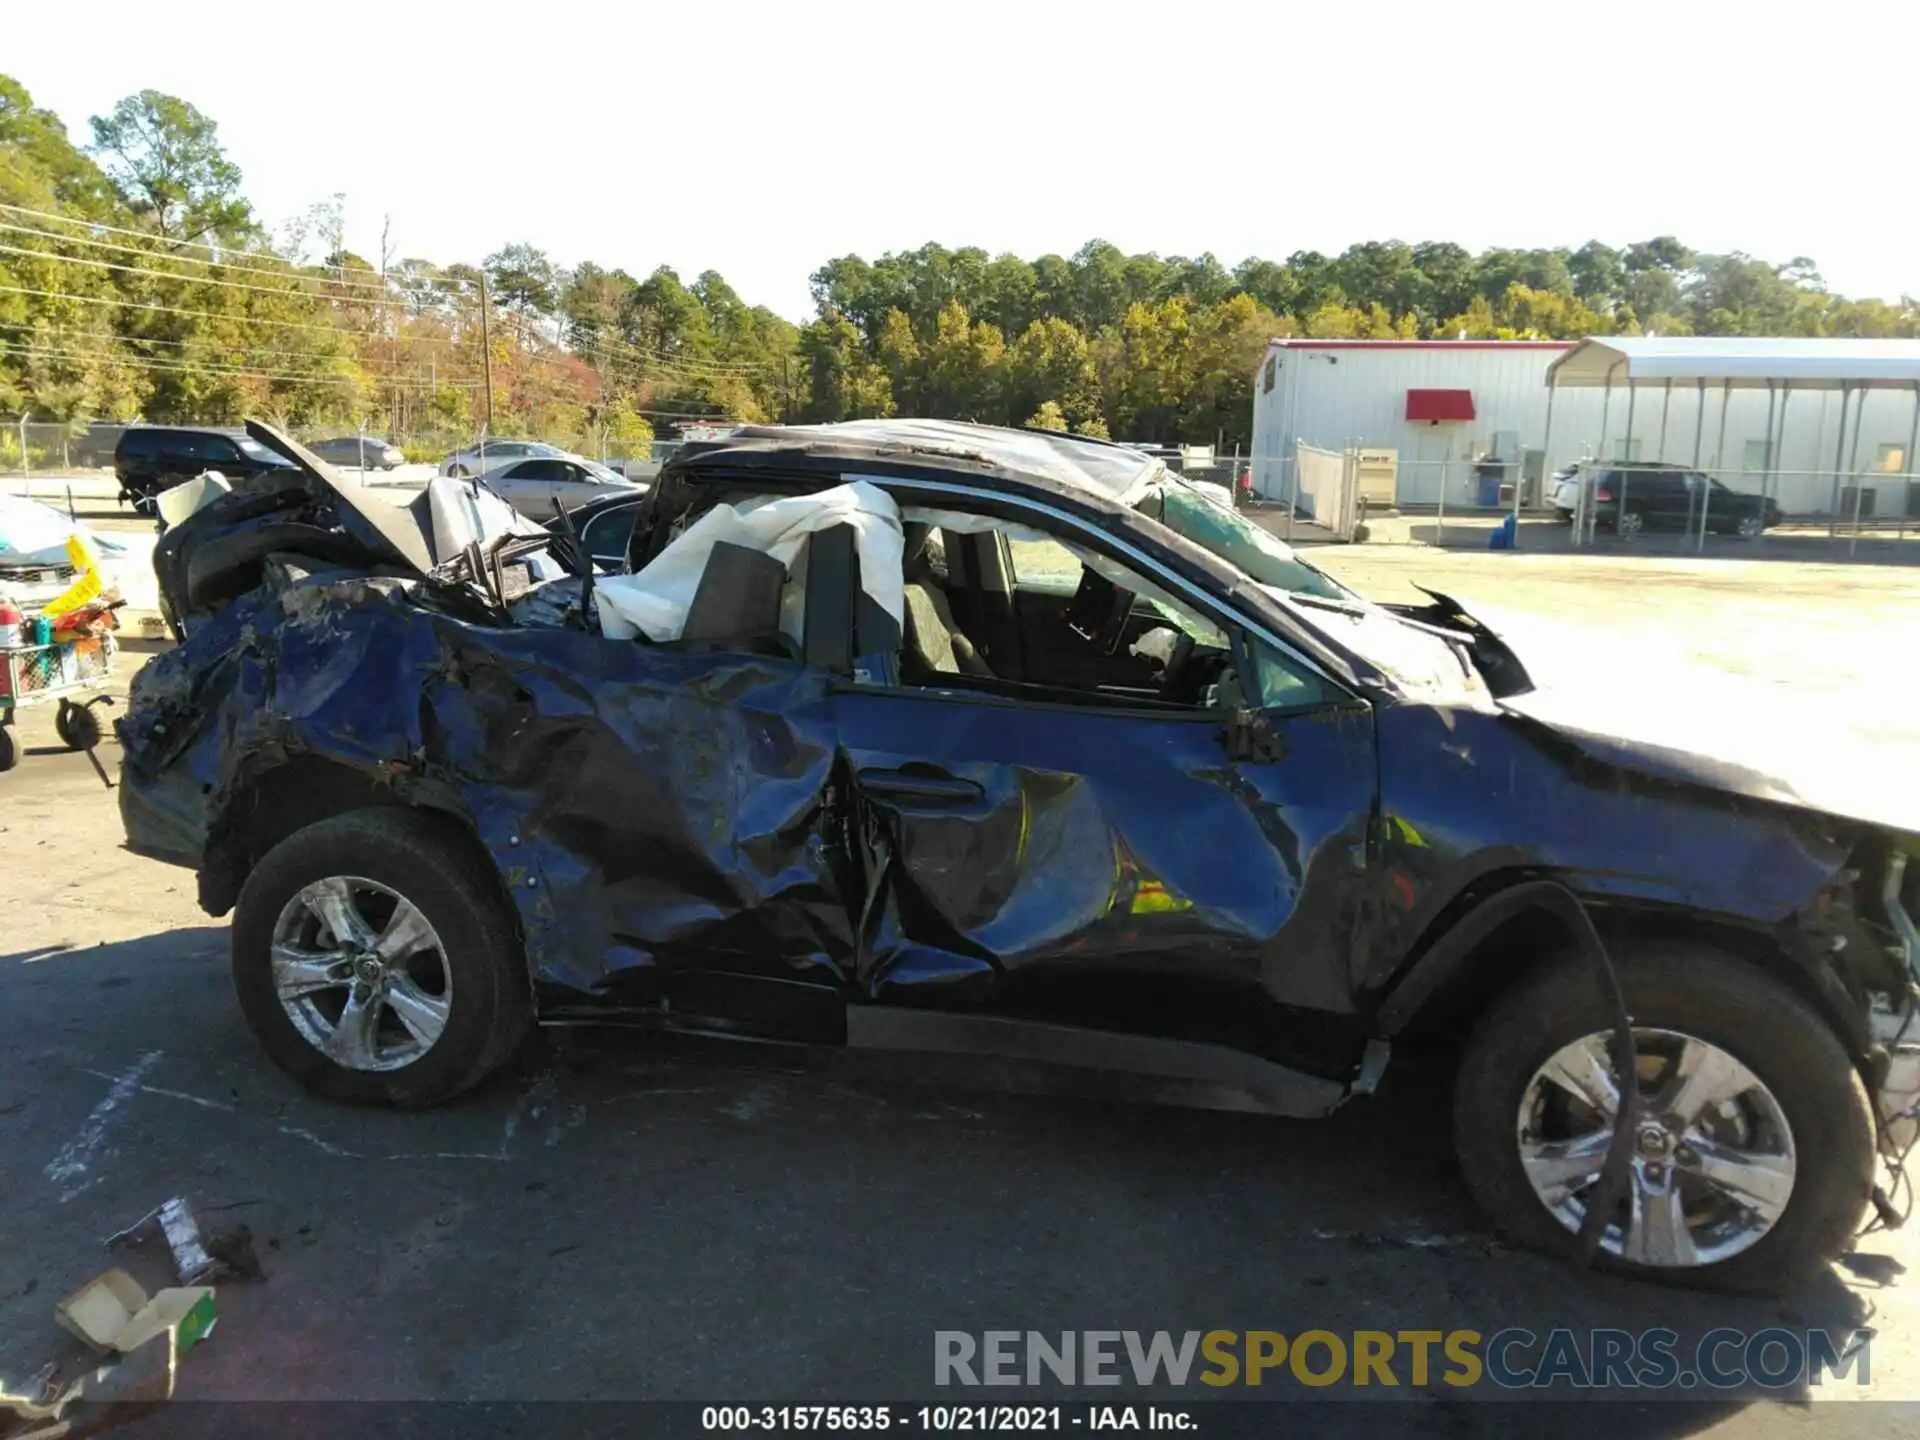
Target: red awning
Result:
[[1439, 405]]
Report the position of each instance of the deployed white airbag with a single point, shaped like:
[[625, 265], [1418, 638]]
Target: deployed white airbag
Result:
[[654, 601]]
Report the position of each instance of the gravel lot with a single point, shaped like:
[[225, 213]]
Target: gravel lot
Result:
[[622, 1218]]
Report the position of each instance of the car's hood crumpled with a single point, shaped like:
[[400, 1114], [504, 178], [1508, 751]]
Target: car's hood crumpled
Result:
[[1827, 778]]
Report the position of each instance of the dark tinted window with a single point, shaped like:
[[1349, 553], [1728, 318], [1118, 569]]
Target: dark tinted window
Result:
[[608, 533], [210, 448], [139, 443]]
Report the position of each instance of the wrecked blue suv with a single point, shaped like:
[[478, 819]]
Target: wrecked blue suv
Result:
[[964, 741]]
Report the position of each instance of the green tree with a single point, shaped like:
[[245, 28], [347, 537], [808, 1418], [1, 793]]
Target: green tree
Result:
[[962, 368], [523, 280], [591, 301], [164, 159], [1048, 417], [1447, 271], [843, 381], [1052, 361], [899, 352], [1598, 274], [43, 170]]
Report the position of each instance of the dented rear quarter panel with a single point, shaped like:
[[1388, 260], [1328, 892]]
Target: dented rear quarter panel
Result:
[[641, 805]]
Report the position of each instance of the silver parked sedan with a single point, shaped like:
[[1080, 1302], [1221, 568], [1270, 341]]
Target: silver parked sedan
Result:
[[531, 486], [360, 452], [491, 454]]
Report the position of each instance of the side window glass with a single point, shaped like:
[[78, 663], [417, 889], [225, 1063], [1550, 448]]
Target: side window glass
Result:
[[606, 536], [1044, 565], [1284, 683]]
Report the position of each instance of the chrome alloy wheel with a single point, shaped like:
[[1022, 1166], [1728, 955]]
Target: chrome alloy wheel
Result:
[[361, 974], [1713, 1158]]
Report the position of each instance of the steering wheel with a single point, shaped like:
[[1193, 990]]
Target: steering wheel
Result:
[[1176, 667]]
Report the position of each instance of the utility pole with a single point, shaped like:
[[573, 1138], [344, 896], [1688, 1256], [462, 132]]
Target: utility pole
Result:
[[486, 348]]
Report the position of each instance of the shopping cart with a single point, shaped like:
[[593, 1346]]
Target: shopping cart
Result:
[[57, 673]]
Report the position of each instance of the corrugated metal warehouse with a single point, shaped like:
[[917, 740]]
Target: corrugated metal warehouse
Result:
[[1437, 406]]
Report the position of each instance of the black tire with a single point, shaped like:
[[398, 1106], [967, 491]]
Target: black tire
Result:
[[427, 859], [9, 750], [457, 472], [77, 726], [1714, 997]]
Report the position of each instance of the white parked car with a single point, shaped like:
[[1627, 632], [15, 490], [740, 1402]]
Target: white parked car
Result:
[[490, 454], [532, 485]]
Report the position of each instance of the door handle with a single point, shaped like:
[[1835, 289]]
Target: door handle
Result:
[[922, 787]]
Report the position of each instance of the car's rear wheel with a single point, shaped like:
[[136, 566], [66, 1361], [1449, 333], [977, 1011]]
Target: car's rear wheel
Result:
[[457, 472], [1632, 522], [376, 961], [1753, 1140]]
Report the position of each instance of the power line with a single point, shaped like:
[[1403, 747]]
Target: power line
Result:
[[202, 314], [687, 369], [530, 357], [215, 368], [197, 340], [168, 275], [664, 358], [240, 373], [150, 235], [287, 269], [218, 368], [387, 292]]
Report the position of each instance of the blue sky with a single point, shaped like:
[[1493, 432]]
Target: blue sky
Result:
[[760, 140]]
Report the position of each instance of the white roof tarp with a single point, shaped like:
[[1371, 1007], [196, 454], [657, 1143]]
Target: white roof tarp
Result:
[[1744, 362]]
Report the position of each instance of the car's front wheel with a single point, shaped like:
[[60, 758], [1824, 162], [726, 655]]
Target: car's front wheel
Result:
[[457, 472], [1753, 1142], [375, 960]]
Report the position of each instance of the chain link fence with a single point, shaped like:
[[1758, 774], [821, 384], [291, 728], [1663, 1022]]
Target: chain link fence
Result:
[[1356, 493]]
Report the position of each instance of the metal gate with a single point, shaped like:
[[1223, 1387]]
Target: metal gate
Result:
[[1329, 487]]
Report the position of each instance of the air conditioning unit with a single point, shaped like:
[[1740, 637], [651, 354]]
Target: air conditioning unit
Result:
[[1379, 478]]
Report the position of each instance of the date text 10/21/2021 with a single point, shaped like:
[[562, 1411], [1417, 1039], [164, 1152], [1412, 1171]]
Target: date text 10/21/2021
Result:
[[944, 1419]]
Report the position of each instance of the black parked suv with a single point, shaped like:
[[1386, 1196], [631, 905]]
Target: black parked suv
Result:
[[1630, 499], [152, 458]]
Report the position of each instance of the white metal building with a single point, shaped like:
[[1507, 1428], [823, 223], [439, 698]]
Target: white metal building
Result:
[[1769, 419]]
